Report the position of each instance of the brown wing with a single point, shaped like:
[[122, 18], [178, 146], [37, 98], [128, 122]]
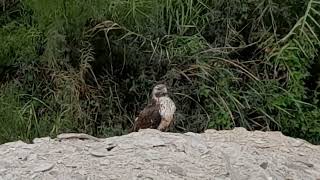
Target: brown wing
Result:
[[149, 117]]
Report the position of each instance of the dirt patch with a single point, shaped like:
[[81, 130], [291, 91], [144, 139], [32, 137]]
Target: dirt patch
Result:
[[150, 154]]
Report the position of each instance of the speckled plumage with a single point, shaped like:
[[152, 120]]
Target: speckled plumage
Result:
[[159, 113], [167, 110], [149, 117]]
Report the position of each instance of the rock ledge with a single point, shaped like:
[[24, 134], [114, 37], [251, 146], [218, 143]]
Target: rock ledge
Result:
[[150, 154]]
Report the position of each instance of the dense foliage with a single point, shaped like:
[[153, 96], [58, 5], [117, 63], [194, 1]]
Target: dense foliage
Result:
[[89, 66]]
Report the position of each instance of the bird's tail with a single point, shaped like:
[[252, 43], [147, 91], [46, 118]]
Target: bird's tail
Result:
[[133, 128]]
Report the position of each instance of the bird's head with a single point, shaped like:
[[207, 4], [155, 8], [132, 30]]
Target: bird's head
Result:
[[159, 90]]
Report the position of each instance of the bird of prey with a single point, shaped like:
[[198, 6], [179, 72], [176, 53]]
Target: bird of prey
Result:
[[159, 113]]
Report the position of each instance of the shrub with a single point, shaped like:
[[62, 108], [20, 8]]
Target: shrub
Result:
[[89, 66]]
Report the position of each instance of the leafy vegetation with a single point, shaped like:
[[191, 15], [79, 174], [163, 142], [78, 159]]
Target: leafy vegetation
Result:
[[88, 66]]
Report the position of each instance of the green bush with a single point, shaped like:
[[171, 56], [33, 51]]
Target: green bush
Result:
[[89, 66]]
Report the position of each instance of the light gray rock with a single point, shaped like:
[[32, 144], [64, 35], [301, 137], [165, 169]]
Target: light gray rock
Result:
[[42, 167], [150, 154]]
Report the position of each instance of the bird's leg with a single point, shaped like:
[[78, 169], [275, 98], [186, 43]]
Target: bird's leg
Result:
[[164, 124]]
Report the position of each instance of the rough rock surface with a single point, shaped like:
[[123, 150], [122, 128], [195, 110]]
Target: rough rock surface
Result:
[[150, 154]]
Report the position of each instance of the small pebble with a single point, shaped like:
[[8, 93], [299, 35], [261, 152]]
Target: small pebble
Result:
[[264, 165], [98, 154], [44, 167]]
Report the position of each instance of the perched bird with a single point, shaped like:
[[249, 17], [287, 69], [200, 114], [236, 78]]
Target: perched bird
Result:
[[159, 113]]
